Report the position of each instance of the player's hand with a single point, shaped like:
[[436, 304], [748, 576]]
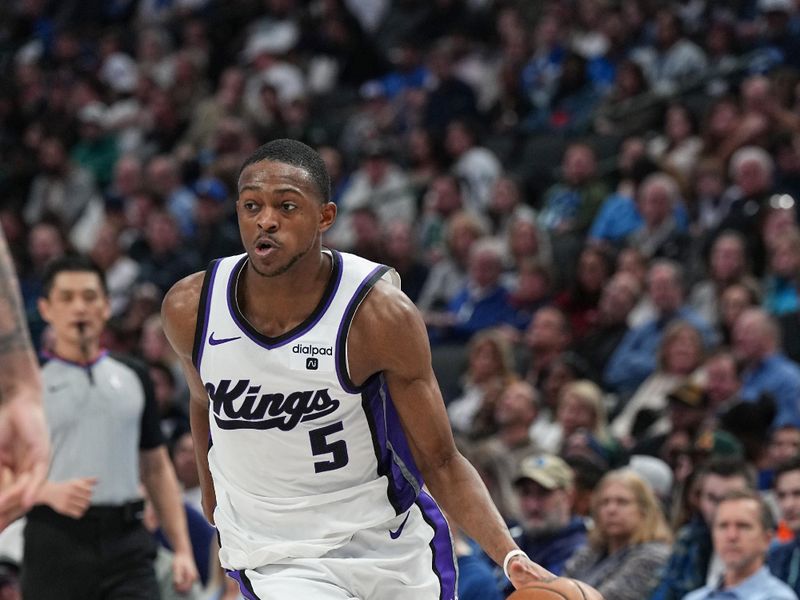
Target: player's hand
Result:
[[523, 571], [24, 456], [184, 572], [70, 498]]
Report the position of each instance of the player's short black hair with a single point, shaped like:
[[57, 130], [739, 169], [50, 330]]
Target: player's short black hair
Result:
[[70, 263], [297, 154]]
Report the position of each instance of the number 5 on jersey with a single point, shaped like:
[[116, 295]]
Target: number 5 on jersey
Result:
[[321, 445]]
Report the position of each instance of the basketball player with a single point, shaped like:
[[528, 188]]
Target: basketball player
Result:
[[315, 410], [24, 443]]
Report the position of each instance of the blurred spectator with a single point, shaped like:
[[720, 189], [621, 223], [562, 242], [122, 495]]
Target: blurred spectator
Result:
[[742, 529], [532, 290], [172, 417], [660, 235], [96, 150], [475, 166], [734, 300], [490, 369], [551, 533], [780, 287], [546, 338], [402, 254], [525, 241], [781, 558], [164, 180], [166, 260], [708, 204], [580, 302], [624, 111], [210, 111], [750, 423], [66, 191], [216, 236], [506, 207], [722, 381], [629, 544], [727, 263], [677, 149], [514, 414], [673, 60], [378, 184], [610, 326], [580, 409], [679, 355], [448, 275], [691, 565], [568, 207], [635, 357], [449, 97], [120, 270], [572, 103], [182, 453], [756, 343], [441, 202]]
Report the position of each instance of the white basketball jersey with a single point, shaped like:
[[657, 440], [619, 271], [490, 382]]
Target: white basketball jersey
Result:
[[300, 456]]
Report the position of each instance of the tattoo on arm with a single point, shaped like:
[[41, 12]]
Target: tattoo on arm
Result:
[[14, 336]]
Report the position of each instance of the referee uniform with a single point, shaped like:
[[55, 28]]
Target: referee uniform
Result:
[[100, 417]]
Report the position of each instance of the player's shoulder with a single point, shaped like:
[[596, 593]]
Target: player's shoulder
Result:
[[388, 304], [179, 310]]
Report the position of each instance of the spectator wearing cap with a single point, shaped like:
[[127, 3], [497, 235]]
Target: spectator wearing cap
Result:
[[687, 409], [551, 533], [692, 562], [756, 343], [784, 560], [216, 235], [629, 544]]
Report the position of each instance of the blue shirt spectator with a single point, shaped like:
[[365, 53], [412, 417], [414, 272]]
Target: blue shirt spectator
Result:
[[760, 586]]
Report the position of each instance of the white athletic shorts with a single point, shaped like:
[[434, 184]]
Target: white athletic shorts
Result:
[[410, 557]]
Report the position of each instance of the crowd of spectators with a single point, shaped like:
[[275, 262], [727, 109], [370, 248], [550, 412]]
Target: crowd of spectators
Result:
[[594, 203]]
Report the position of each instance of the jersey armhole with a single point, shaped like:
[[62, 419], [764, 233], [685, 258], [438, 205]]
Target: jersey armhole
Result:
[[342, 367], [203, 307]]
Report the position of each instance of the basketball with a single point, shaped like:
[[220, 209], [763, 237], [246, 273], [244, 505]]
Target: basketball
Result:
[[561, 588]]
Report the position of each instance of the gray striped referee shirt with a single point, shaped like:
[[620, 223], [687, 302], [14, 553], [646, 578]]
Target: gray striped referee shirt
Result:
[[100, 417]]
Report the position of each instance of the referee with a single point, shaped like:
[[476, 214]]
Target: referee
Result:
[[85, 540]]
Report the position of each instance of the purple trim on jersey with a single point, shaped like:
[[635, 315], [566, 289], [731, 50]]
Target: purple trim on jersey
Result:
[[271, 343], [393, 453], [444, 557], [244, 584], [205, 301], [344, 328]]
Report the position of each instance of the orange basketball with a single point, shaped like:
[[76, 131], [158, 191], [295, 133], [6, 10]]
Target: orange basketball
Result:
[[561, 588]]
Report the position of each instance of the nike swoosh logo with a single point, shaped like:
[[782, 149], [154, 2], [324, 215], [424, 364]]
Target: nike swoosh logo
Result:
[[218, 341], [396, 534]]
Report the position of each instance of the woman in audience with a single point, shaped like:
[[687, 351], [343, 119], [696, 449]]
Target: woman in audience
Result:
[[630, 543], [490, 368], [643, 415]]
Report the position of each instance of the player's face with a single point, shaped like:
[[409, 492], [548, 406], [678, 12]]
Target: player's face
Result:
[[76, 308], [281, 216]]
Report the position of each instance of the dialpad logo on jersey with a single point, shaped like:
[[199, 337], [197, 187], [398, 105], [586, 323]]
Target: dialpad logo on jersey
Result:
[[243, 406], [312, 350]]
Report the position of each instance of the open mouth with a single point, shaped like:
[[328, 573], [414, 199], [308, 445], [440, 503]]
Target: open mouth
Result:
[[265, 247]]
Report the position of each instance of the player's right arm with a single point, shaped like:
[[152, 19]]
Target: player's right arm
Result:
[[24, 441], [179, 316]]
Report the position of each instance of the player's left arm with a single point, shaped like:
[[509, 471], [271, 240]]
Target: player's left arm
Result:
[[159, 478], [388, 334]]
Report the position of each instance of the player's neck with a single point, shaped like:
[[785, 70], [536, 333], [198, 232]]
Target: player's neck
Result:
[[276, 304]]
